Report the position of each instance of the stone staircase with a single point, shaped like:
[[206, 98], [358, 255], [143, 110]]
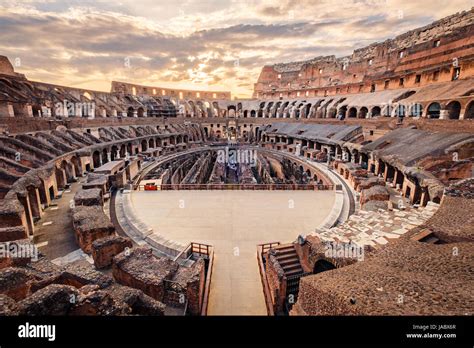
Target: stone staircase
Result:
[[288, 260]]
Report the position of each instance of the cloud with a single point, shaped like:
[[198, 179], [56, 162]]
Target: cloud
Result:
[[216, 44]]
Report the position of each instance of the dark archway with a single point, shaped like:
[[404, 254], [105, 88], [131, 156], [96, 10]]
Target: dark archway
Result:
[[376, 111], [434, 110], [454, 110], [322, 266], [105, 157], [96, 159], [363, 112], [352, 113], [144, 145], [469, 111]]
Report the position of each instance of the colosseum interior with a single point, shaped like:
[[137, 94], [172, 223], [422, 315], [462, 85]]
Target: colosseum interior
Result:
[[344, 186]]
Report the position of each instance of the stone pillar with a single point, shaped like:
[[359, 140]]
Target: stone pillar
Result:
[[6, 110], [443, 114]]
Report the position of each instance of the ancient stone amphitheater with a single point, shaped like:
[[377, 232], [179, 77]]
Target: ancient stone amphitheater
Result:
[[344, 187]]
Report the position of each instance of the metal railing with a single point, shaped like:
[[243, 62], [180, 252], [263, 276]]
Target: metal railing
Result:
[[194, 248], [263, 248], [236, 187]]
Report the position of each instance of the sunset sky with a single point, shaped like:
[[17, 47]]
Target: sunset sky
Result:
[[207, 44]]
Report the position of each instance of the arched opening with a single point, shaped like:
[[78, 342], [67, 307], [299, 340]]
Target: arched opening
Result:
[[469, 111], [96, 159], [105, 157], [69, 170], [151, 143], [434, 110], [36, 109], [307, 109], [123, 150], [60, 178], [322, 266], [231, 110], [140, 112], [454, 110], [352, 113], [144, 145], [252, 113], [376, 111], [113, 153], [341, 114], [130, 112], [76, 162], [363, 112]]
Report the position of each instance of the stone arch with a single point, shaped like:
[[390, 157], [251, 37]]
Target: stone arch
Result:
[[363, 112], [342, 112], [144, 145], [60, 178], [96, 158], [352, 112], [231, 110], [76, 163], [123, 150], [307, 109], [105, 157], [113, 153], [130, 112], [454, 110], [433, 110], [140, 112], [376, 111], [68, 170], [469, 113], [323, 266]]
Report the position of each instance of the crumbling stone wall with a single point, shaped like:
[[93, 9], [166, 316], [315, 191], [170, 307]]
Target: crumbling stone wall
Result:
[[104, 249], [138, 268], [90, 223]]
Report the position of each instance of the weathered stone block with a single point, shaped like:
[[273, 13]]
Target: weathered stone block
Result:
[[104, 249], [374, 193], [54, 299], [140, 269], [90, 223], [89, 197]]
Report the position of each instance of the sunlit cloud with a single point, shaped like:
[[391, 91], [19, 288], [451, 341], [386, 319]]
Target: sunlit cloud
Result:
[[215, 44]]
